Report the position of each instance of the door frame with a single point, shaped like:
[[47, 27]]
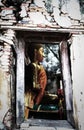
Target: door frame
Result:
[[20, 77]]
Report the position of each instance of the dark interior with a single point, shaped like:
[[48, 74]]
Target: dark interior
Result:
[[52, 105]]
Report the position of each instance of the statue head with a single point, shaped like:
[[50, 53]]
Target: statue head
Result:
[[35, 52]]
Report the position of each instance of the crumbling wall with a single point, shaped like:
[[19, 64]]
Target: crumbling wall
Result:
[[51, 14], [47, 13], [7, 44]]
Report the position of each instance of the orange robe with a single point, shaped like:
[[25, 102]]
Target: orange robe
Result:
[[31, 96], [42, 79]]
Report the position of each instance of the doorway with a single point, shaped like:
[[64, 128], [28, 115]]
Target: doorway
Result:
[[49, 39], [52, 105]]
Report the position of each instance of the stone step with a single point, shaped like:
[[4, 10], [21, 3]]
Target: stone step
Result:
[[41, 124]]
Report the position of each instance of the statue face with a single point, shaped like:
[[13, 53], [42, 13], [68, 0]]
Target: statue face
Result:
[[40, 54]]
